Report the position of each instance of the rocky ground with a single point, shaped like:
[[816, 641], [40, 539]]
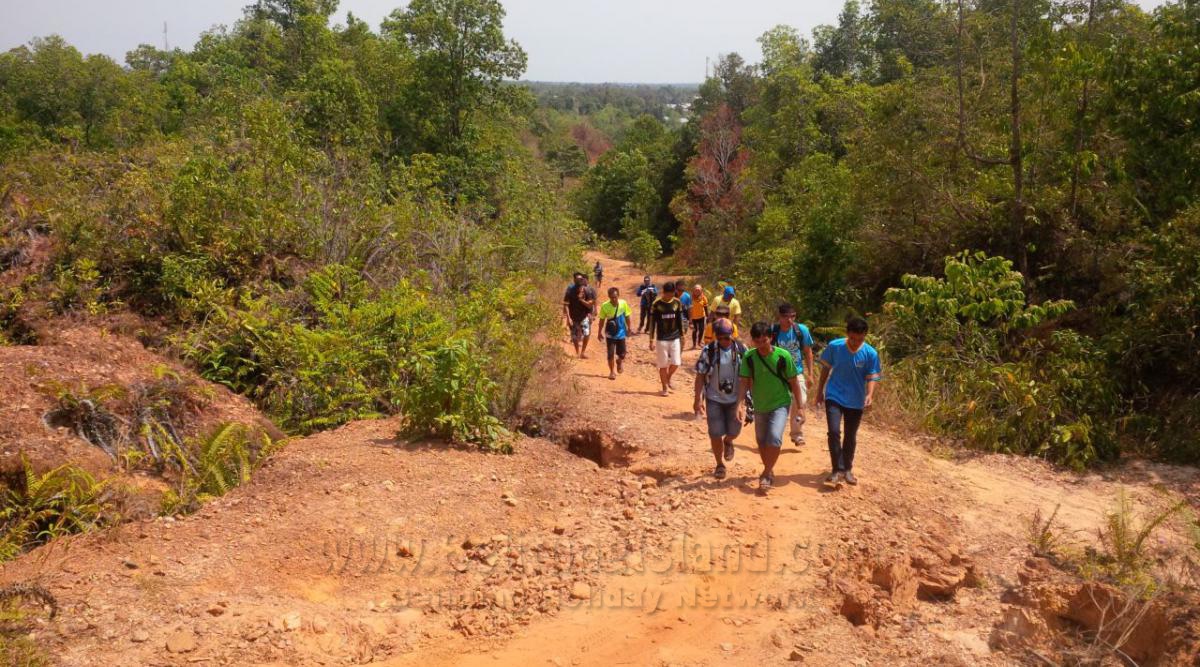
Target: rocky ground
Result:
[[352, 547]]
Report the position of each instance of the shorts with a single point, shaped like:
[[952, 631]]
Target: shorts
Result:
[[581, 330], [616, 348], [667, 353], [722, 419], [769, 426]]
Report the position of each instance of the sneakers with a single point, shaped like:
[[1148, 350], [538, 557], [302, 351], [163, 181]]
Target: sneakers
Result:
[[850, 478], [719, 472], [729, 451]]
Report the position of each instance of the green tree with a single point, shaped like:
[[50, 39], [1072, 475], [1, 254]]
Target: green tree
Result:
[[461, 59]]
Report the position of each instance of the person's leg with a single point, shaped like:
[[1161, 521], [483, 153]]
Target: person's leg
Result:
[[576, 335], [850, 438], [643, 317], [622, 350], [733, 427], [797, 418], [663, 362], [585, 328], [675, 359], [611, 349], [768, 430], [833, 416]]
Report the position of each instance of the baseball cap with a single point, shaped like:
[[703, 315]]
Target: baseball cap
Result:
[[728, 290], [722, 327]]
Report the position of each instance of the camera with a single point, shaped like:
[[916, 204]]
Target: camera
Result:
[[726, 386]]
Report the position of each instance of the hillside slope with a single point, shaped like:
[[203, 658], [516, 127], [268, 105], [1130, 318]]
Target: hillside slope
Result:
[[352, 547]]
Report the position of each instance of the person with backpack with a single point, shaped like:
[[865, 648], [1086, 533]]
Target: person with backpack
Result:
[[769, 374], [717, 384], [850, 369], [579, 304], [698, 313], [722, 311], [666, 332], [796, 339], [646, 293], [598, 271], [614, 328]]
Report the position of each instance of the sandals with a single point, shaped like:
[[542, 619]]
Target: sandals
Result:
[[729, 451], [719, 472]]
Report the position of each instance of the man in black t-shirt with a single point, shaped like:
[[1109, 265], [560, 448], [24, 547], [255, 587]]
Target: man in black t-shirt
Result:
[[579, 304]]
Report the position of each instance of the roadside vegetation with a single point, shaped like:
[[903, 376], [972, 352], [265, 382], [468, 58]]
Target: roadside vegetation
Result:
[[1008, 189]]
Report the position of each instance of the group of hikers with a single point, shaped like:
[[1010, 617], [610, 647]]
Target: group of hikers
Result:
[[765, 383]]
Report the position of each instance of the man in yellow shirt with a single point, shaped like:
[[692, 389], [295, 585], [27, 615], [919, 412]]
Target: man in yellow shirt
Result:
[[728, 300], [697, 313]]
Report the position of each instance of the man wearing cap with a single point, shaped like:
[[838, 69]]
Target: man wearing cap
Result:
[[735, 308], [666, 332], [721, 311], [717, 384]]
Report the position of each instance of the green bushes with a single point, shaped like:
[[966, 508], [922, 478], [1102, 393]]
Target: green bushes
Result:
[[38, 507], [968, 353], [210, 466], [449, 397]]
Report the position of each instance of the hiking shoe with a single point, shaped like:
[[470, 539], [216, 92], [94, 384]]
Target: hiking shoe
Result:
[[834, 478], [850, 478], [719, 472], [729, 451]]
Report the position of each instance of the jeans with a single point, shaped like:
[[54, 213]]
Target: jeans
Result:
[[841, 449], [769, 426]]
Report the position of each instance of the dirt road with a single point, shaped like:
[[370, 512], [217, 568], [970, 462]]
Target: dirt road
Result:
[[352, 547]]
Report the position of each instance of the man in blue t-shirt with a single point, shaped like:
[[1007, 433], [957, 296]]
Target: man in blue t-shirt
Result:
[[646, 293], [797, 339], [849, 371]]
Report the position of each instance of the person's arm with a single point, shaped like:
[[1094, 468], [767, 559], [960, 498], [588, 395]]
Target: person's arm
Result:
[[651, 328], [794, 382], [600, 327], [821, 385], [746, 385], [873, 378], [698, 404], [808, 363]]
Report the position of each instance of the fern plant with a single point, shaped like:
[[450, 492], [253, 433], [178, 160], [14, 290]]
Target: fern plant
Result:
[[212, 465], [1123, 538], [39, 507]]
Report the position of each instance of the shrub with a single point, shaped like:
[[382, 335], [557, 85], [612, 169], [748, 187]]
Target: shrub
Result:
[[449, 396], [1123, 538], [211, 465], [38, 507], [966, 356], [644, 249]]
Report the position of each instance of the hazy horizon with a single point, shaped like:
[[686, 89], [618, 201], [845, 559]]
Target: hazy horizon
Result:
[[620, 41]]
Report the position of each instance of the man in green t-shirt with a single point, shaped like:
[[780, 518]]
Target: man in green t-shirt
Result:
[[614, 328], [769, 374]]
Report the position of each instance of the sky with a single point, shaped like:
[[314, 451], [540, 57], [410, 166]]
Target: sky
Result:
[[634, 41]]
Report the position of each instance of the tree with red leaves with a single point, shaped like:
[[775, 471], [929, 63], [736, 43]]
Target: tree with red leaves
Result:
[[719, 197]]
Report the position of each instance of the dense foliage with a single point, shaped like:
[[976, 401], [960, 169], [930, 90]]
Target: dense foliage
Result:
[[336, 222], [1059, 135]]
